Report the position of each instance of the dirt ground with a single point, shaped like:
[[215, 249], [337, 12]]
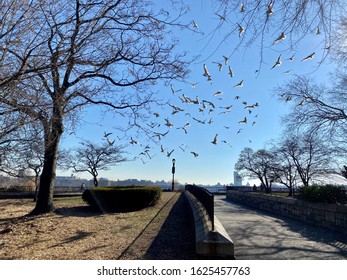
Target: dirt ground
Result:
[[76, 232]]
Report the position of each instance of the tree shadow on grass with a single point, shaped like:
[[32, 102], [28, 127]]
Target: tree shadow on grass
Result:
[[79, 235], [78, 211], [176, 238]]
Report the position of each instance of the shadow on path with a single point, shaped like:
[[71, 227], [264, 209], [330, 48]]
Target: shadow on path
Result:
[[262, 235], [176, 238]]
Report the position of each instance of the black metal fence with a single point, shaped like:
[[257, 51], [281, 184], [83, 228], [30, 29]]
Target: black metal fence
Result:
[[206, 198]]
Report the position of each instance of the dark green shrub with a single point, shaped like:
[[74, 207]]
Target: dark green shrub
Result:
[[324, 193], [121, 199]]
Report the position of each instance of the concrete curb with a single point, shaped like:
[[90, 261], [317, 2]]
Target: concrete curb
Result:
[[209, 244]]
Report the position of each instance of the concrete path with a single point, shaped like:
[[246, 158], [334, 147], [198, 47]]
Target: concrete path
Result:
[[262, 236]]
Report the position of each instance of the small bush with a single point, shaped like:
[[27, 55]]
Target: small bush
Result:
[[121, 199], [325, 193]]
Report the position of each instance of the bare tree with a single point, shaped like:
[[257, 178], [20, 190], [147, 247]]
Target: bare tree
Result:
[[284, 168], [93, 158], [317, 109], [311, 157], [72, 53], [258, 165], [23, 150], [322, 109]]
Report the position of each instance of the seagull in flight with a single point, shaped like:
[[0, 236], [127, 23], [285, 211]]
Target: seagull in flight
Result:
[[195, 154], [215, 139], [173, 90], [240, 84], [168, 123], [269, 10], [277, 63], [279, 38], [220, 65], [301, 103], [199, 121], [251, 106], [208, 102], [110, 142], [193, 84], [176, 108], [231, 73], [168, 154], [107, 134], [228, 108], [289, 98], [222, 18], [218, 93], [206, 73], [159, 135], [311, 56], [226, 59], [133, 142], [241, 30], [317, 31], [184, 129], [244, 121]]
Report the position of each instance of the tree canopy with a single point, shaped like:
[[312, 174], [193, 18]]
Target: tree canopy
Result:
[[59, 56]]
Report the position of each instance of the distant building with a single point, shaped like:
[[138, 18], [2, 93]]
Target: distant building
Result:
[[237, 179], [104, 182], [69, 181]]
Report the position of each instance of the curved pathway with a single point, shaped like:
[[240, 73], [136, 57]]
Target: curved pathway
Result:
[[262, 236]]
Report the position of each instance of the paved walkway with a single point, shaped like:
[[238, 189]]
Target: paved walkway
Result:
[[169, 236], [261, 236]]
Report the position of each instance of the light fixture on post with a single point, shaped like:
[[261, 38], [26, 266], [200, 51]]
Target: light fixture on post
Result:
[[173, 174]]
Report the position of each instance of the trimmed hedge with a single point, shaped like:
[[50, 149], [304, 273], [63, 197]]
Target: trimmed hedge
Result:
[[324, 193], [121, 199]]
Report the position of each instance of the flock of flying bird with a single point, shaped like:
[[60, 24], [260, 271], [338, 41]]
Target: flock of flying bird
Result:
[[209, 107], [198, 111]]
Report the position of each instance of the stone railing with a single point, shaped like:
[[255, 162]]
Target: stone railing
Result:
[[205, 198], [209, 243], [330, 216]]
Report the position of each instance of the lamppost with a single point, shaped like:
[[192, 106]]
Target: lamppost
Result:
[[173, 174]]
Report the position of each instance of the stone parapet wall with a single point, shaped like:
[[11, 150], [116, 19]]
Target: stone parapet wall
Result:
[[330, 216], [209, 244]]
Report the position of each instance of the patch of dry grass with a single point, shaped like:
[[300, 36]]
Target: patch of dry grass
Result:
[[75, 232]]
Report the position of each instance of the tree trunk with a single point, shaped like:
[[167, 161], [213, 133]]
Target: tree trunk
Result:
[[96, 182], [290, 191], [44, 201]]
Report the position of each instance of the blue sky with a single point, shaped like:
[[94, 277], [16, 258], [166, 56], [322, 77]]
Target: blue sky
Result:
[[215, 163]]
